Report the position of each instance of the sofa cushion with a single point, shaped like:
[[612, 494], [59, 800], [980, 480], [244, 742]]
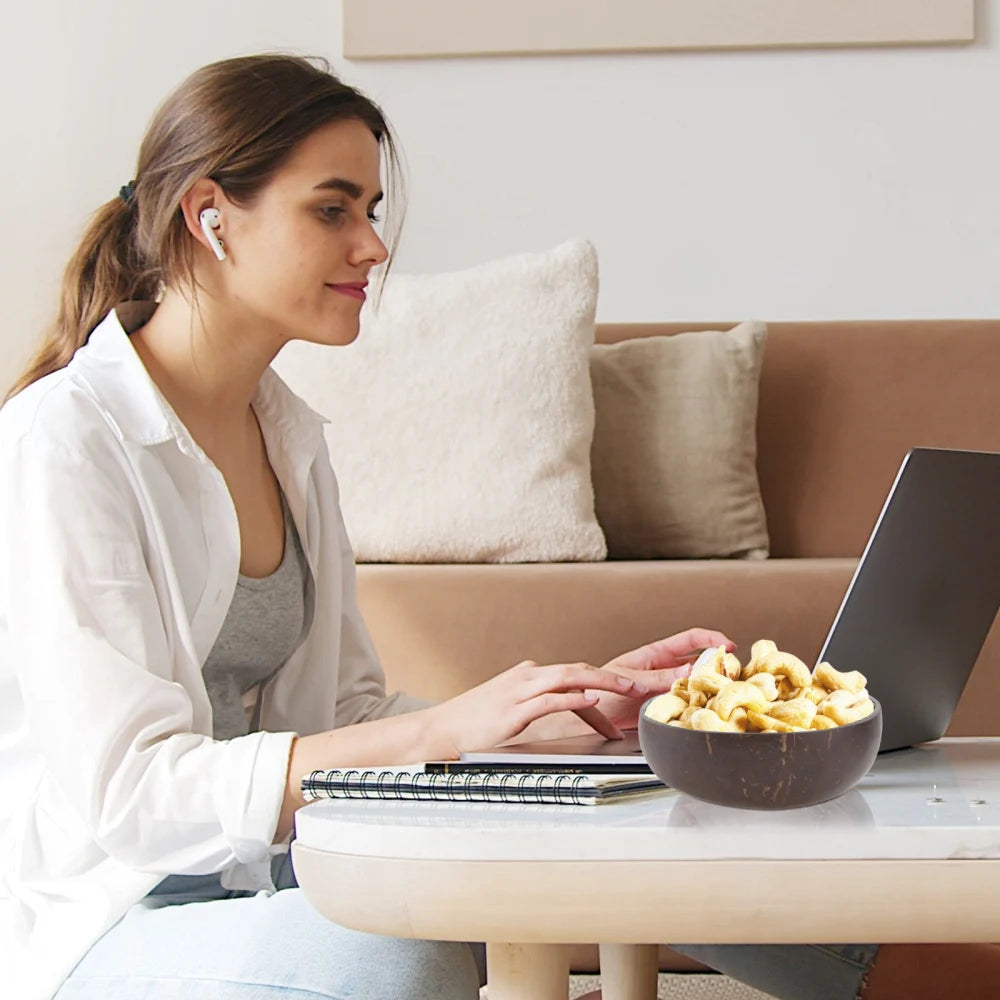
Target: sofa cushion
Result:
[[461, 418], [675, 446]]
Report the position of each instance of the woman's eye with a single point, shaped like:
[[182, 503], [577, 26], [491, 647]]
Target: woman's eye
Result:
[[337, 214]]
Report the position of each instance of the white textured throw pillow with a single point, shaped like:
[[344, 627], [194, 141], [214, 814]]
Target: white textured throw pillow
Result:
[[462, 417]]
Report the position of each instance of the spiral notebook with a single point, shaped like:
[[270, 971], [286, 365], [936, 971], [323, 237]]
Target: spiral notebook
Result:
[[414, 783]]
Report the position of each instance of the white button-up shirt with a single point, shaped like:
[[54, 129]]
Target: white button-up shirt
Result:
[[118, 562]]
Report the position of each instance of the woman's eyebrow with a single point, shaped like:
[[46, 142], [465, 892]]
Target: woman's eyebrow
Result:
[[349, 188]]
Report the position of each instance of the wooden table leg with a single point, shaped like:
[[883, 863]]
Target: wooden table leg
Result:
[[527, 971], [628, 971]]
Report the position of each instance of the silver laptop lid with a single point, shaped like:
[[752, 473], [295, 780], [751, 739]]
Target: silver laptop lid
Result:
[[925, 592]]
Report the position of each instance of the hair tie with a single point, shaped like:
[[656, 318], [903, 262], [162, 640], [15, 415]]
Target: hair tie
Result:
[[127, 191]]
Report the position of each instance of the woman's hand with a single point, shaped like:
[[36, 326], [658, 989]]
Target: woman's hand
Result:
[[656, 667], [499, 709]]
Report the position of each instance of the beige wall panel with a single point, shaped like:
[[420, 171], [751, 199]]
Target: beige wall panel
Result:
[[377, 29]]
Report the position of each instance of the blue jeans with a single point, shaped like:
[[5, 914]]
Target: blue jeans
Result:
[[190, 939], [791, 971]]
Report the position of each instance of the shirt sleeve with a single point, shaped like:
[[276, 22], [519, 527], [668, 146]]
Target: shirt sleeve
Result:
[[87, 634]]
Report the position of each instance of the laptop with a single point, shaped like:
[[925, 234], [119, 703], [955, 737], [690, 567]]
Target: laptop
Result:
[[913, 620], [925, 592], [591, 753]]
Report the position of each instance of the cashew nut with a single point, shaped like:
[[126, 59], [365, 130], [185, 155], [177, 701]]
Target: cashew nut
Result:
[[765, 723], [731, 666], [833, 679], [845, 716], [740, 719], [767, 684], [842, 698], [665, 707], [707, 720], [815, 693], [795, 711], [710, 662], [709, 683], [822, 722], [785, 665], [760, 649], [786, 689], [738, 694]]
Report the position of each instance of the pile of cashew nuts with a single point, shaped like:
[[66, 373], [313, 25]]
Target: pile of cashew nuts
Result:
[[774, 693]]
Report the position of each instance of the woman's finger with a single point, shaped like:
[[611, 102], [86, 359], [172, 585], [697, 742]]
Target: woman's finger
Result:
[[575, 677], [600, 723], [675, 650], [692, 656], [697, 640], [561, 701], [658, 681]]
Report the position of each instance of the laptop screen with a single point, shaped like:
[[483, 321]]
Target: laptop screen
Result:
[[925, 592]]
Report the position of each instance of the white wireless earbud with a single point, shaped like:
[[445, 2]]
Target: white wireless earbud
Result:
[[210, 220]]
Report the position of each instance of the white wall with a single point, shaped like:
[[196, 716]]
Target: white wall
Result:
[[798, 184]]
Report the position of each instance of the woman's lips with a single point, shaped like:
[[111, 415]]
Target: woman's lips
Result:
[[355, 291]]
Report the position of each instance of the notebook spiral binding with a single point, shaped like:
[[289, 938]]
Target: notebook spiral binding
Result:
[[356, 783]]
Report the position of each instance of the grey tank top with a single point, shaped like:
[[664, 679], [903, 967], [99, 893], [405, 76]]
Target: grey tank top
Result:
[[263, 627]]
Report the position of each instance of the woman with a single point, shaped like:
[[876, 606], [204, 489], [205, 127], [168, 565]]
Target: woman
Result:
[[181, 637]]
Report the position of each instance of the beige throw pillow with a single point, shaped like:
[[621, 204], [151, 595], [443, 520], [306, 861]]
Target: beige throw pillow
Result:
[[461, 418], [675, 445]]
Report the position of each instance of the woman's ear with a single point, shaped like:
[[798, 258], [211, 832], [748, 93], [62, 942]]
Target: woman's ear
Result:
[[201, 207]]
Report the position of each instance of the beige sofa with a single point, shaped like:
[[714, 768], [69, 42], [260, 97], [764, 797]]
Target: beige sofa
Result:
[[840, 404]]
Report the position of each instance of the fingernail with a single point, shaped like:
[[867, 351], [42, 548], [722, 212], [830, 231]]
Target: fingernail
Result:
[[625, 682], [640, 688]]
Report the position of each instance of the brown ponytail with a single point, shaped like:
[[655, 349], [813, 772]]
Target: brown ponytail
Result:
[[104, 271], [235, 121]]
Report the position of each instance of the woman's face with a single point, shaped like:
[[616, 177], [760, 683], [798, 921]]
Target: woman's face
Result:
[[300, 254]]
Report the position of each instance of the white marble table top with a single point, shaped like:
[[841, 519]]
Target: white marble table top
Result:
[[937, 801]]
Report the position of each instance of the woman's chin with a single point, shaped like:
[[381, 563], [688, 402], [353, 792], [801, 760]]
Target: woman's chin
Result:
[[332, 335]]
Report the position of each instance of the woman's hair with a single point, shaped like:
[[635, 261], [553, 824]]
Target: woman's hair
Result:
[[235, 121]]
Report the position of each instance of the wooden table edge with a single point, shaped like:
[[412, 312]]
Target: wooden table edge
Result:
[[652, 902]]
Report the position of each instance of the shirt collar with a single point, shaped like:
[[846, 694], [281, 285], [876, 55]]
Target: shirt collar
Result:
[[110, 365]]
